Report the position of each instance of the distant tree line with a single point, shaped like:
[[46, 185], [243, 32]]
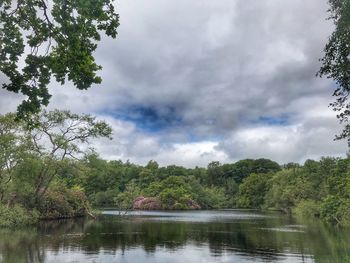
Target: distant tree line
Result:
[[315, 189]]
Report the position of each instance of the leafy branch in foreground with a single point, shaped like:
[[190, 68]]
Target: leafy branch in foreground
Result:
[[41, 38], [336, 62]]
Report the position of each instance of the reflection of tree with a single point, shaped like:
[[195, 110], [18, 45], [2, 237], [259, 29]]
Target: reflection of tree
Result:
[[256, 239], [30, 245], [21, 246], [123, 234], [329, 244]]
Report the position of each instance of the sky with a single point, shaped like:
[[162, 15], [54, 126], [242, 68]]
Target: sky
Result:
[[188, 82]]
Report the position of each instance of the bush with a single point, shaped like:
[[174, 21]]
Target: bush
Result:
[[307, 209], [336, 210], [103, 199], [125, 200], [61, 202], [177, 199], [16, 216], [214, 197]]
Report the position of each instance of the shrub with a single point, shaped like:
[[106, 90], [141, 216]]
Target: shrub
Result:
[[61, 202], [177, 199], [214, 197], [125, 200], [16, 216], [335, 209], [307, 209], [103, 199]]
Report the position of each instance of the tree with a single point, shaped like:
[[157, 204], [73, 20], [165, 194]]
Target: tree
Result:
[[265, 166], [215, 173], [124, 201], [54, 38], [243, 168], [336, 62], [57, 137], [253, 189], [13, 146], [175, 198]]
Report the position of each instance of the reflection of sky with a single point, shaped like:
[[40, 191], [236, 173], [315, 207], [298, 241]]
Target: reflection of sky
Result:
[[190, 253], [190, 216], [177, 237]]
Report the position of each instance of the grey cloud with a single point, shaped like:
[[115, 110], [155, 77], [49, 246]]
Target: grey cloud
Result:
[[312, 137], [221, 65]]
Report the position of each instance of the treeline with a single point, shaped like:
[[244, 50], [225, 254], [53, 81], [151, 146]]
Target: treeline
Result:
[[46, 172], [315, 189], [114, 183]]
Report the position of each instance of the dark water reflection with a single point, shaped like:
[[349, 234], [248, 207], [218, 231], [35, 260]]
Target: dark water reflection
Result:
[[202, 236]]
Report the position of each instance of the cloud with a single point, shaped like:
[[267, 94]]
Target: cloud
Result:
[[211, 80], [309, 136]]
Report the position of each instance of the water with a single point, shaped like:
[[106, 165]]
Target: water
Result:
[[178, 237]]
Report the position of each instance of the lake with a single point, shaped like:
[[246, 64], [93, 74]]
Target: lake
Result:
[[178, 237]]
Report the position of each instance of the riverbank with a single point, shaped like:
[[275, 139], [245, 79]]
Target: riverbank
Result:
[[59, 202]]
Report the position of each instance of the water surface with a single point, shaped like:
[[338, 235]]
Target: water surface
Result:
[[173, 237]]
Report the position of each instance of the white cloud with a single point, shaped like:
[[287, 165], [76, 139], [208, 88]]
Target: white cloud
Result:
[[309, 137]]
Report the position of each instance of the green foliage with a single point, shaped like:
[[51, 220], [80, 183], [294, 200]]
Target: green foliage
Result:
[[283, 192], [239, 170], [264, 166], [218, 174], [39, 168], [24, 180], [307, 209], [336, 210], [299, 189], [317, 189], [252, 191], [66, 132], [62, 38], [175, 198], [213, 198], [104, 198], [293, 185], [13, 146], [16, 216], [336, 61], [124, 200], [231, 191], [61, 202], [58, 136], [174, 192], [215, 173]]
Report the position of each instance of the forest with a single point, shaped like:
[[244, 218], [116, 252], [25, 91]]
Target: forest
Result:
[[46, 172]]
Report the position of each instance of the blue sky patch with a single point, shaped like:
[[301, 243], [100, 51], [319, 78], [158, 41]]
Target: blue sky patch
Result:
[[148, 118], [281, 120]]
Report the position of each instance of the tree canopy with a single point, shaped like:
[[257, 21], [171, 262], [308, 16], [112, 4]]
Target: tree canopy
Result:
[[40, 39]]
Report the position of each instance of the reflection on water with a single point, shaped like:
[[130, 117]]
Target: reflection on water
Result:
[[201, 236]]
